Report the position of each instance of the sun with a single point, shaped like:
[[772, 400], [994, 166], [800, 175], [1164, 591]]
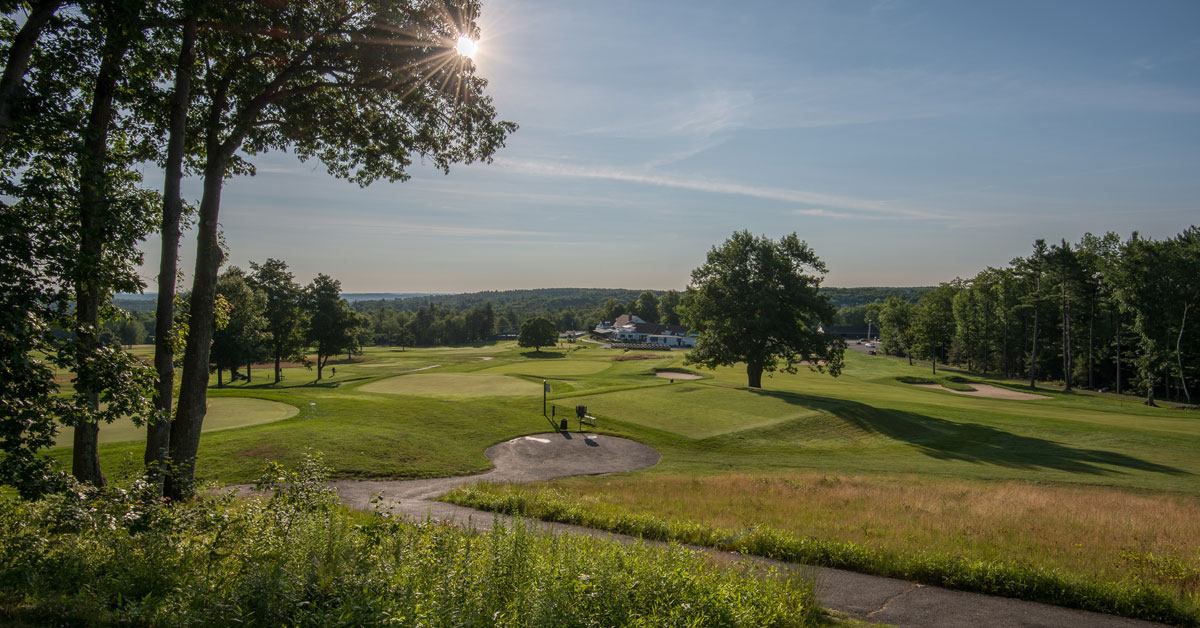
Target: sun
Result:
[[466, 47]]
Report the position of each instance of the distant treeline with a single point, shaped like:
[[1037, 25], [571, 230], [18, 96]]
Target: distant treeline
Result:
[[851, 297], [424, 320], [1102, 313]]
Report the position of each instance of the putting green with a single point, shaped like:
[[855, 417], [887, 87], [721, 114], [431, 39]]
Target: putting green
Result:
[[224, 413], [458, 384]]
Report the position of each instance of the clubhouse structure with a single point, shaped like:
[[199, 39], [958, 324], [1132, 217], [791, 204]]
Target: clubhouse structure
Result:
[[631, 329]]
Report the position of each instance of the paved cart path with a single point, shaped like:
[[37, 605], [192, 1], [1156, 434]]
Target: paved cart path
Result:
[[553, 455]]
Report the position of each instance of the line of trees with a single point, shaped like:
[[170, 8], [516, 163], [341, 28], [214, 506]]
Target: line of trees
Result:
[[459, 319], [1101, 314], [272, 318], [93, 89]]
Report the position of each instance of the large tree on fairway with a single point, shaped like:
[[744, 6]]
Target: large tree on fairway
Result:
[[755, 300], [537, 332], [332, 325], [362, 85]]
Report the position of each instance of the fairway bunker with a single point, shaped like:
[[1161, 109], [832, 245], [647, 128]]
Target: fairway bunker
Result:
[[674, 375], [530, 458], [454, 384], [987, 390]]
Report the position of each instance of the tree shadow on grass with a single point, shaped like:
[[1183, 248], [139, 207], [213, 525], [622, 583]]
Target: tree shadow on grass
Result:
[[972, 442], [543, 355]]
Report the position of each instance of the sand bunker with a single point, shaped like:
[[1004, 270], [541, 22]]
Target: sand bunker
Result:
[[673, 375], [987, 390]]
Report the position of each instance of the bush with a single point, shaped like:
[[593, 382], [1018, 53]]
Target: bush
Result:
[[112, 557]]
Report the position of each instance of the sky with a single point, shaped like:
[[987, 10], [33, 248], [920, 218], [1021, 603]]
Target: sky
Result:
[[908, 142]]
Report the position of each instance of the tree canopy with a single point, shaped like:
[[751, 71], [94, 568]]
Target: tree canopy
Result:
[[537, 332], [756, 300]]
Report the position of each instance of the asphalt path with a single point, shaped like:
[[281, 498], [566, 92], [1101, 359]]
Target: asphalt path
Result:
[[560, 454]]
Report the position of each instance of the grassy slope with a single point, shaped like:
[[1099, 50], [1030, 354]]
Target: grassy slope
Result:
[[864, 427]]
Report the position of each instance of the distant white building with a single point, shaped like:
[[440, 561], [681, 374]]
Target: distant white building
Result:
[[629, 328]]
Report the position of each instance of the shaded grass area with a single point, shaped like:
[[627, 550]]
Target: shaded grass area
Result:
[[116, 559], [764, 516], [224, 413], [472, 385]]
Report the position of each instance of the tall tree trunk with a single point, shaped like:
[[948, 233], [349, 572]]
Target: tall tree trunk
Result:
[[1004, 349], [278, 373], [248, 371], [1179, 354], [1091, 342], [93, 215], [158, 433], [220, 382], [1033, 351], [193, 393], [754, 373], [1118, 330], [1066, 338], [17, 63]]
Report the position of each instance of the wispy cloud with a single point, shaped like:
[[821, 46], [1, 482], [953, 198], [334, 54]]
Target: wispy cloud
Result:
[[821, 212], [786, 195]]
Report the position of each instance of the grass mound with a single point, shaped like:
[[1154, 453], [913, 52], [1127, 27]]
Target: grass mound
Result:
[[457, 384]]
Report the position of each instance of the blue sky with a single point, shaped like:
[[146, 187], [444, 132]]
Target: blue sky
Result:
[[908, 142]]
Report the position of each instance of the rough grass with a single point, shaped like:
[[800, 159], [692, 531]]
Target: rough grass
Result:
[[1070, 547], [224, 413], [115, 559]]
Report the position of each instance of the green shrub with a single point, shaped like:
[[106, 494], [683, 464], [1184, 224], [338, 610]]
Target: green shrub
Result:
[[124, 557]]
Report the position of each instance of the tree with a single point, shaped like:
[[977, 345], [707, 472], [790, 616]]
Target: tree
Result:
[[611, 310], [668, 308], [69, 161], [537, 332], [361, 86], [647, 307], [935, 322], [285, 320], [756, 300], [19, 53], [244, 336], [1033, 269], [332, 325], [896, 326]]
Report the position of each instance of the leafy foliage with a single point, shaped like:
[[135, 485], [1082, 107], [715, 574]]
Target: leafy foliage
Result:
[[537, 332], [754, 301], [121, 557]]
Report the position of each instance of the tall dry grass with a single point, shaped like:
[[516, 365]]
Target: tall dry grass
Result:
[[1088, 547], [1100, 531]]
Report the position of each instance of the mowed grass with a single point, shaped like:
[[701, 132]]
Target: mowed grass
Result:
[[694, 410], [896, 450], [224, 413], [453, 384]]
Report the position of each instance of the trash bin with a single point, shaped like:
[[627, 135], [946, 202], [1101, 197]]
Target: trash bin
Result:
[[562, 424]]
